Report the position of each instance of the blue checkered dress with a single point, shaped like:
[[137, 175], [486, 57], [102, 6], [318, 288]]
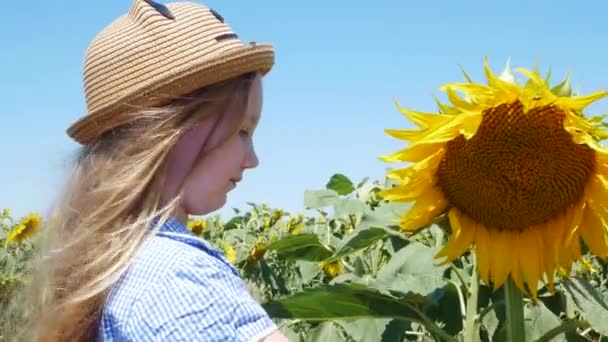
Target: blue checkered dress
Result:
[[179, 288]]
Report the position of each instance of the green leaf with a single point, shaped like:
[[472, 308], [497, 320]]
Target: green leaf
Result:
[[352, 301], [317, 199], [343, 301], [234, 223], [413, 268], [291, 334], [301, 247], [271, 278], [308, 270], [325, 332], [366, 329], [340, 184], [395, 330], [361, 240], [588, 301], [350, 206], [387, 214], [362, 182], [539, 320]]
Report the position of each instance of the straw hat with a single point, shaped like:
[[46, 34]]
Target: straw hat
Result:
[[156, 52]]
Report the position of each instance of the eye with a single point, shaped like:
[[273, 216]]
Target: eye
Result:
[[244, 132]]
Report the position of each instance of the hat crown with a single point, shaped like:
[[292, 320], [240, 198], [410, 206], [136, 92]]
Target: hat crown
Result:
[[138, 48], [157, 52]]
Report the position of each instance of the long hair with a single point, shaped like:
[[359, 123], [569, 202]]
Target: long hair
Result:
[[105, 212]]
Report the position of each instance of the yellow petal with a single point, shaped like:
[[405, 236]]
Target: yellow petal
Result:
[[581, 124], [530, 246], [496, 82], [501, 245], [409, 192], [463, 233], [413, 154], [574, 219], [578, 103], [552, 233], [594, 233], [472, 90], [428, 206], [421, 119], [597, 193], [483, 252], [426, 166], [458, 101], [404, 134], [601, 163], [539, 83], [459, 124]]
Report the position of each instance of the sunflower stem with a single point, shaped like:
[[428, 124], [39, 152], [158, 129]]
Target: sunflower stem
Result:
[[471, 328], [515, 312]]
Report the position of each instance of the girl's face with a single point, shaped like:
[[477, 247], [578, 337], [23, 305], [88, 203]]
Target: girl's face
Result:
[[208, 174]]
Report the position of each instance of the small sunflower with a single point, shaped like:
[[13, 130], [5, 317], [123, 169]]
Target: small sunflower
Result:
[[332, 269], [517, 168], [197, 226], [258, 251], [25, 229], [295, 224], [230, 253]]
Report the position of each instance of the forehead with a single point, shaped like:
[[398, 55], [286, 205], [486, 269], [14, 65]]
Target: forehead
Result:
[[254, 101]]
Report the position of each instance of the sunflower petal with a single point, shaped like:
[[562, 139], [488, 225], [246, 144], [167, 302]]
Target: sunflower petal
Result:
[[428, 206], [518, 258], [582, 124], [461, 239], [458, 101], [421, 119], [594, 233], [404, 134], [462, 123], [598, 193], [483, 252], [530, 246], [552, 233], [414, 153], [424, 167], [445, 108], [578, 103], [495, 82], [501, 245]]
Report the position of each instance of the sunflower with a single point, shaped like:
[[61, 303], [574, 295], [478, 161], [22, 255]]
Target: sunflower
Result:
[[230, 253], [332, 269], [258, 251], [197, 226], [25, 229], [517, 168]]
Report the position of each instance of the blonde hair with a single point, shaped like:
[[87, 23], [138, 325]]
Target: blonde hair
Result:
[[110, 201]]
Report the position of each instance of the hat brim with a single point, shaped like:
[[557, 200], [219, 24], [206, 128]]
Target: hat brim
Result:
[[224, 66]]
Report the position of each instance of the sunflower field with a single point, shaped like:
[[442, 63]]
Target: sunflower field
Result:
[[342, 271], [496, 231]]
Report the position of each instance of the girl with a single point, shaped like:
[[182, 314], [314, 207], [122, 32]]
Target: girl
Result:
[[174, 98]]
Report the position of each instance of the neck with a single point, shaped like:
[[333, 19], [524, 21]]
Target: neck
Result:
[[181, 215]]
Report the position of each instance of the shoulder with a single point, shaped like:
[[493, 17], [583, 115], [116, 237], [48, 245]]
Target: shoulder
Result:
[[180, 288]]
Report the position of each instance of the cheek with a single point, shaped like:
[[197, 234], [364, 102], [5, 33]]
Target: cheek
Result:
[[205, 187]]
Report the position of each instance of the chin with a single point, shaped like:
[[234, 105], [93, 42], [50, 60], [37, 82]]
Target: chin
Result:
[[208, 207]]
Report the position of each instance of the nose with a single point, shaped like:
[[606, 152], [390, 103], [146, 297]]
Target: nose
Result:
[[251, 159]]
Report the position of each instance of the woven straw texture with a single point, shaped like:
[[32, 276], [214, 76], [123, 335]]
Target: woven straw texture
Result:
[[145, 58]]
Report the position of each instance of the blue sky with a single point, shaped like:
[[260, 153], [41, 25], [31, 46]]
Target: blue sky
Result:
[[339, 66]]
